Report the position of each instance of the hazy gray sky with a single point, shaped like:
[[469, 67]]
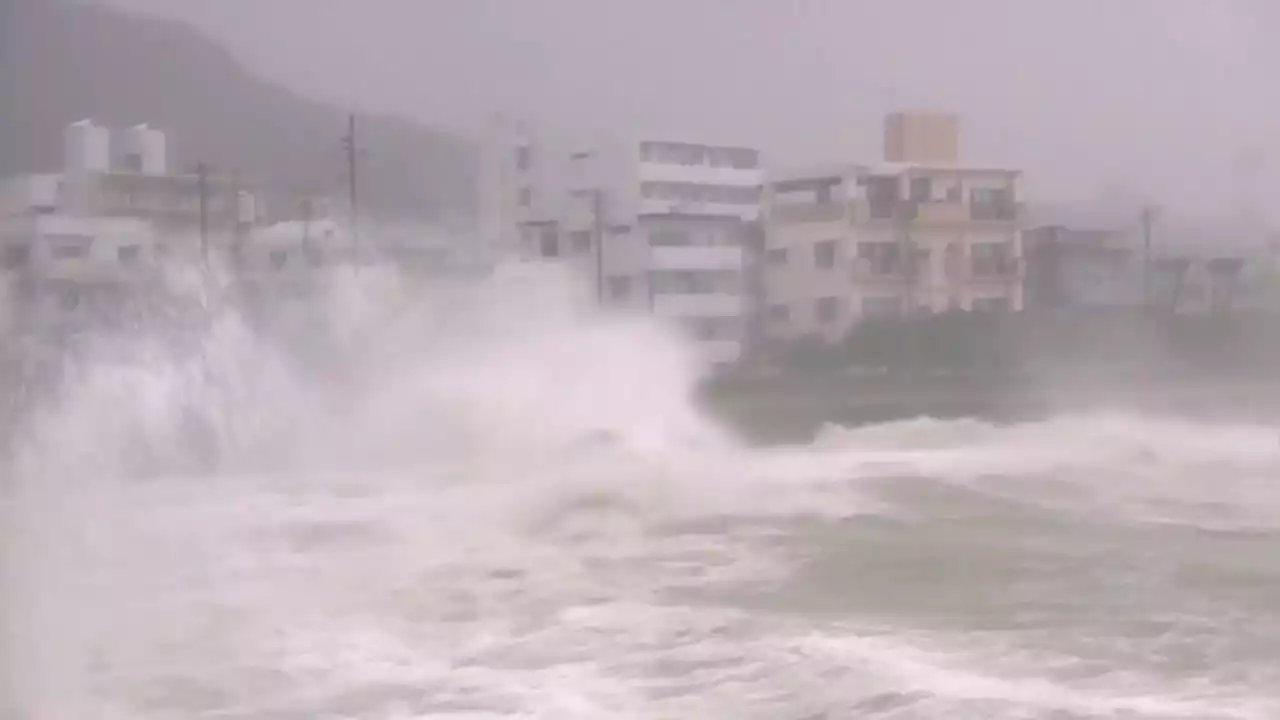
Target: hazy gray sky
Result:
[[1160, 95]]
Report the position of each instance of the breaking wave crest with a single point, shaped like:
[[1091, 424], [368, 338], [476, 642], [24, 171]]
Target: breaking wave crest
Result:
[[486, 498]]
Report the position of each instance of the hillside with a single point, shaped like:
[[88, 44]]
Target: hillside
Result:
[[60, 62]]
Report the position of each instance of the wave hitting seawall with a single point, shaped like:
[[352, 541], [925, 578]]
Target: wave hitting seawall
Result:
[[488, 501]]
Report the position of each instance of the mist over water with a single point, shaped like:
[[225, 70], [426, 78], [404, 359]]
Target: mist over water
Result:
[[485, 498]]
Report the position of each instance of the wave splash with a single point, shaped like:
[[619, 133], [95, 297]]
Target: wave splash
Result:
[[488, 498]]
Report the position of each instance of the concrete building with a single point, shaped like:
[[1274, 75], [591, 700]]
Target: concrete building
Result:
[[78, 242], [1074, 268], [845, 242], [64, 271], [655, 225], [138, 183]]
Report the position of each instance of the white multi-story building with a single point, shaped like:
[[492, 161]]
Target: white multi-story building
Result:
[[61, 270], [657, 225], [132, 179], [75, 240], [849, 241]]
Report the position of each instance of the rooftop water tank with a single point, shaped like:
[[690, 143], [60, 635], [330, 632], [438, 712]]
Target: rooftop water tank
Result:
[[145, 150], [86, 148]]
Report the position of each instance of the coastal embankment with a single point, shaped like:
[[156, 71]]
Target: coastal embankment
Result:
[[793, 409]]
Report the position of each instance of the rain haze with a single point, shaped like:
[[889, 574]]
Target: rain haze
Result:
[[1155, 97], [639, 359]]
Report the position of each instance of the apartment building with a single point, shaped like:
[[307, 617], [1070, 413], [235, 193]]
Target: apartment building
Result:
[[74, 241], [63, 271], [846, 242], [131, 178], [655, 225]]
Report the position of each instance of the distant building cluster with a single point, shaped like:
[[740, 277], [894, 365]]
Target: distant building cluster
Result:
[[77, 241], [703, 234], [699, 233]]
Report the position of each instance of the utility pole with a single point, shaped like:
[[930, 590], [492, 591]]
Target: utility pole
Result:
[[597, 218], [906, 215], [1148, 220], [202, 186], [240, 225], [307, 210], [597, 213], [353, 186]]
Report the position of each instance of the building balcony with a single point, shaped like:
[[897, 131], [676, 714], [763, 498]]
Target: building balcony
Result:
[[696, 257], [897, 273], [937, 213], [809, 212], [686, 305], [700, 174], [654, 206], [1009, 270], [942, 213]]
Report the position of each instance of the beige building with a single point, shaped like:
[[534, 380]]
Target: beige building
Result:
[[846, 242], [928, 138]]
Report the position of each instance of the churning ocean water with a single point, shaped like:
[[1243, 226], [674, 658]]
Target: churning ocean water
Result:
[[488, 501]]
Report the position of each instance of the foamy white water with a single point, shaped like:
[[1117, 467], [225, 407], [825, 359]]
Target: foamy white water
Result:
[[488, 501]]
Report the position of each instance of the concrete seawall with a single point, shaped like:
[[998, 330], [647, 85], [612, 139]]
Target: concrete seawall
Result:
[[777, 412]]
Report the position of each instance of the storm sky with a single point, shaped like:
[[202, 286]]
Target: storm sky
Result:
[[1161, 99]]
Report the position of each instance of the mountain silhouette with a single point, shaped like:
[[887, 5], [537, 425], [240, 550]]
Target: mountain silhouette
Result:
[[62, 61]]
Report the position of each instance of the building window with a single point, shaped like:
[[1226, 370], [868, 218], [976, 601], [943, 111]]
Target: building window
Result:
[[278, 259], [524, 158], [526, 196], [580, 240], [128, 254], [16, 256], [737, 158], [953, 260], [669, 238], [69, 252], [824, 254], [686, 192], [882, 258], [827, 309], [673, 153], [619, 288], [548, 246], [68, 298], [776, 256], [992, 204], [991, 259], [703, 237], [921, 189], [696, 282], [779, 313], [69, 246]]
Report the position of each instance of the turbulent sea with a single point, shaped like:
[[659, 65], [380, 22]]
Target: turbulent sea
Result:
[[487, 500]]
